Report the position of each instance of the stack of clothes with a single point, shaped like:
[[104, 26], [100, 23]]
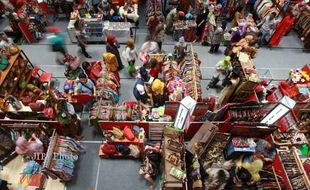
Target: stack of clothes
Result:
[[108, 87]]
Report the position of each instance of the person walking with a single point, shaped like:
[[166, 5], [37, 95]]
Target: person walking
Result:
[[130, 54], [81, 40], [217, 39], [112, 47], [267, 26]]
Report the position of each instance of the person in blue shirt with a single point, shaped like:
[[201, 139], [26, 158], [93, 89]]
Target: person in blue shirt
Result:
[[85, 85]]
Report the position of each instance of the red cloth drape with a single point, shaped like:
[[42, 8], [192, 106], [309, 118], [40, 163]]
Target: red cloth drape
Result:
[[283, 28]]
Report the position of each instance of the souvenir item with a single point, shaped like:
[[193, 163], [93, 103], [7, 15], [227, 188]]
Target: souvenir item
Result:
[[108, 149], [174, 145], [174, 158], [118, 133], [129, 133], [3, 63], [122, 149], [134, 151], [178, 173]]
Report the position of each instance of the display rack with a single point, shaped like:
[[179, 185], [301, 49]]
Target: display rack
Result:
[[18, 69], [138, 142], [193, 87], [93, 28], [302, 27], [169, 181], [60, 148]]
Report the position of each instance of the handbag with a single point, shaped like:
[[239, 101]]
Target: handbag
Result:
[[134, 151], [3, 63], [129, 133], [36, 107], [108, 149], [122, 149], [174, 146]]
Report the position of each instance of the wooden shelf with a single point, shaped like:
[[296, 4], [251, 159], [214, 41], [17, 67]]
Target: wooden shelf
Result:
[[27, 81], [12, 61], [18, 78]]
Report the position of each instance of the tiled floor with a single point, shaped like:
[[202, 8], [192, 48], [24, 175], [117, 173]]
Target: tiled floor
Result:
[[103, 174]]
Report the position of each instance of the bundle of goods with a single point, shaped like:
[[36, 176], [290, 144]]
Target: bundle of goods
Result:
[[126, 112], [191, 76], [61, 166], [265, 7], [300, 76], [108, 87], [128, 142], [31, 176]]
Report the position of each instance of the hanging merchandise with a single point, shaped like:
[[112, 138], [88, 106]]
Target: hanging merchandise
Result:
[[60, 157]]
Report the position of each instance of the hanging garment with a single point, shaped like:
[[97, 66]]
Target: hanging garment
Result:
[[282, 29]]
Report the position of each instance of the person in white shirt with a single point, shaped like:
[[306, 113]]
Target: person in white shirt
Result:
[[267, 26], [130, 55], [5, 41], [149, 47]]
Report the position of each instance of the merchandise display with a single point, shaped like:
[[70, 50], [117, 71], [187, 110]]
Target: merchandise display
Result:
[[201, 97]]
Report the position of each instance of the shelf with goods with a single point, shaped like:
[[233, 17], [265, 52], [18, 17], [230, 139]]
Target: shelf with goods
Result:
[[111, 139], [173, 164], [292, 171], [60, 148], [191, 75], [19, 69], [93, 27]]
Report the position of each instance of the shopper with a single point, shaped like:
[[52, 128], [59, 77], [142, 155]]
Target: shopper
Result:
[[130, 54], [179, 49], [112, 47], [73, 67], [81, 40], [159, 93], [238, 15], [223, 67], [267, 26], [143, 74], [110, 60], [154, 70], [58, 43], [5, 41], [160, 34], [209, 27], [201, 21], [171, 18], [228, 90], [148, 47], [93, 70], [104, 8], [85, 85], [217, 39], [140, 93]]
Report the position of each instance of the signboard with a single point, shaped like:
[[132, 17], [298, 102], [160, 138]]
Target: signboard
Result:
[[279, 111], [183, 113]]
